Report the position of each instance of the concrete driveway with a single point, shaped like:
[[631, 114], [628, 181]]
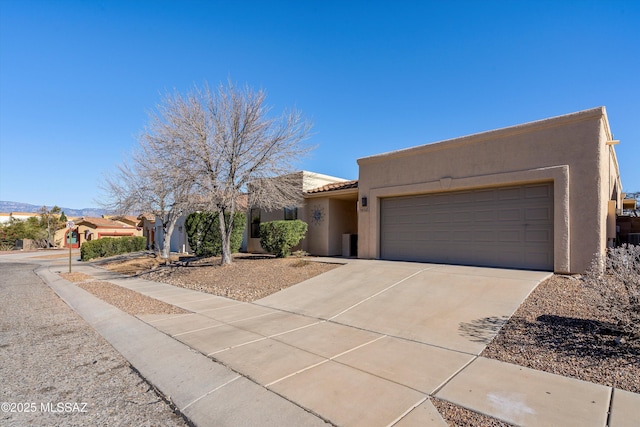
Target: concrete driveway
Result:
[[454, 307], [377, 334]]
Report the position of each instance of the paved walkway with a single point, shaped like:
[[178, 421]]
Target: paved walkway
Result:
[[283, 362]]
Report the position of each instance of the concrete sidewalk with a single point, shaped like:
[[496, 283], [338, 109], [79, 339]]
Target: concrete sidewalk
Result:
[[306, 354], [208, 393]]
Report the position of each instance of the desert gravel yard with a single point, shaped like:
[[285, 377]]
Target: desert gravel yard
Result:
[[558, 329]]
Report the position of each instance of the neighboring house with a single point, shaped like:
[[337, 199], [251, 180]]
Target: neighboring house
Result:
[[630, 207], [629, 222], [542, 195], [152, 230], [88, 228], [127, 219], [147, 222], [179, 240]]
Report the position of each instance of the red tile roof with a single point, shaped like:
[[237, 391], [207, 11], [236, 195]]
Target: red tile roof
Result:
[[334, 186], [102, 223]]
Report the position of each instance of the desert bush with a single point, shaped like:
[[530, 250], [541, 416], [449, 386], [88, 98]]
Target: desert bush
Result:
[[109, 246], [278, 237], [614, 281], [203, 232]]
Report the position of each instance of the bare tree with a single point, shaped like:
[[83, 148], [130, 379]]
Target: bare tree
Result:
[[226, 140], [151, 182], [205, 148]]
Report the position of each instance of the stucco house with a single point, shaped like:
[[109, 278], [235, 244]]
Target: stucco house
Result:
[[179, 240], [147, 222], [89, 228], [542, 195], [329, 209], [126, 219]]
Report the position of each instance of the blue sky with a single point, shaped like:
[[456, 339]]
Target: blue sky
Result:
[[77, 78]]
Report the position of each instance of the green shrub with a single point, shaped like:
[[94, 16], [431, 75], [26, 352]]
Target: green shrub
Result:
[[109, 246], [203, 232], [278, 237]]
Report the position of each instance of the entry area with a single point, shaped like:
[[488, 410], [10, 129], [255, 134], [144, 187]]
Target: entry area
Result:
[[498, 227]]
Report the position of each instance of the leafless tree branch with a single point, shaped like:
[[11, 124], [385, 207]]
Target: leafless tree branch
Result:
[[204, 149]]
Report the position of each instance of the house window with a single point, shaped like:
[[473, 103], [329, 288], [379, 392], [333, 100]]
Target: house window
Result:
[[290, 214], [255, 223]]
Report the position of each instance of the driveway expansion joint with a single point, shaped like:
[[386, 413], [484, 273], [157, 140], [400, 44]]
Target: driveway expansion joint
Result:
[[452, 376], [212, 391]]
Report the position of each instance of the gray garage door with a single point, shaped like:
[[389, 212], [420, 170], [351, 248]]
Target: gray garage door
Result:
[[498, 227]]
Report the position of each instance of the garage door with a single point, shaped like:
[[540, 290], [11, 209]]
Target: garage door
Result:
[[497, 227]]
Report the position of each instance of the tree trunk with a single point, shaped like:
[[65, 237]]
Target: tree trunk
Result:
[[226, 251], [225, 236], [167, 231]]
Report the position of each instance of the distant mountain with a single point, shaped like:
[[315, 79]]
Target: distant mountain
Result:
[[7, 207]]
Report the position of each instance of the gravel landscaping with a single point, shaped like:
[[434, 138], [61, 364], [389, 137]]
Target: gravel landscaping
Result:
[[248, 278], [126, 300], [458, 416], [559, 329]]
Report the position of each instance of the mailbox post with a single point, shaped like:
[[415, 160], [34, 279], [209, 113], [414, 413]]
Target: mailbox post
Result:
[[70, 225]]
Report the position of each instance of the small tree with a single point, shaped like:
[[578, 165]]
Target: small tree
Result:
[[278, 237], [51, 221], [227, 140], [614, 281]]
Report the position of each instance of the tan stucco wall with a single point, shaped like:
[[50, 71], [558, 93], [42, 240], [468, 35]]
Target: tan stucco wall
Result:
[[569, 150], [316, 240], [324, 237], [318, 231]]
